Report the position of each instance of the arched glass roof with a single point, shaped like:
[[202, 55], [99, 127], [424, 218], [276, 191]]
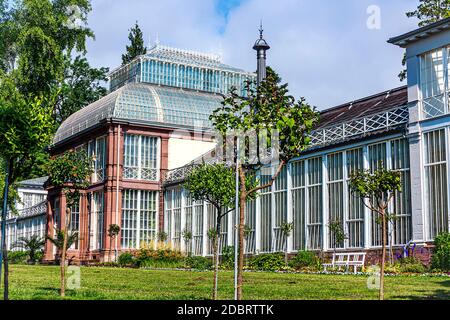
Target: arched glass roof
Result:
[[158, 105]]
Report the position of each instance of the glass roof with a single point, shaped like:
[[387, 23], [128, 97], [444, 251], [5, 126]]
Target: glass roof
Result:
[[188, 57], [154, 105]]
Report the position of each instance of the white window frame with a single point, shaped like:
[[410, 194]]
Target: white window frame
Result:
[[446, 90]]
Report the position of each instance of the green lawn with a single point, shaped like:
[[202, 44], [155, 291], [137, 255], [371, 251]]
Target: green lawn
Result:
[[42, 282]]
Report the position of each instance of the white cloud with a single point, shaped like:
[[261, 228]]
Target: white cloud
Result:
[[322, 48]]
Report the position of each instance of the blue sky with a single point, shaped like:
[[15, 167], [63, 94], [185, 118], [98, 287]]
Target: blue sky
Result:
[[322, 48]]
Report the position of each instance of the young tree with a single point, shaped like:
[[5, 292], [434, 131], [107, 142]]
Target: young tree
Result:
[[268, 108], [26, 128], [70, 172], [187, 237], [215, 184], [428, 11], [286, 229], [378, 188], [113, 232], [338, 233], [136, 47]]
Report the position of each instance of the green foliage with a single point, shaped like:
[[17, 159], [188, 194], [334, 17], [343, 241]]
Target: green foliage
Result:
[[215, 184], [198, 263], [41, 37], [70, 171], [411, 265], [378, 186], [187, 235], [441, 254], [430, 11], [338, 232], [126, 259], [305, 259], [81, 86], [136, 47], [227, 261], [162, 236], [212, 233], [58, 241], [286, 228], [26, 128], [159, 258], [266, 109], [267, 262], [33, 245], [18, 257], [113, 230]]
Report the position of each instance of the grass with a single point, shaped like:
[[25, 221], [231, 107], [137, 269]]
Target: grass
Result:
[[42, 282]]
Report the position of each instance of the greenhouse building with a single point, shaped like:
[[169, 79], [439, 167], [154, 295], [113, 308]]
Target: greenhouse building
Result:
[[154, 126]]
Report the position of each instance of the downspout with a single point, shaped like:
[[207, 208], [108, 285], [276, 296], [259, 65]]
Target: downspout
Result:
[[117, 188]]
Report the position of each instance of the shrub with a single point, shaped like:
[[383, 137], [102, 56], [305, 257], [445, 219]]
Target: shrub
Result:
[[304, 259], [160, 258], [412, 265], [441, 254], [126, 259], [198, 263], [227, 261], [18, 257], [267, 262]]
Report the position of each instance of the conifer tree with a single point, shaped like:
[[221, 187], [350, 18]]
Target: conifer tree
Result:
[[136, 47]]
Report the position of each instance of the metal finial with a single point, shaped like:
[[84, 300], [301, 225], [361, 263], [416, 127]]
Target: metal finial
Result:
[[261, 30]]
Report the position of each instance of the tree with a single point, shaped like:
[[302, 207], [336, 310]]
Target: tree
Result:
[[136, 47], [81, 86], [215, 184], [338, 233], [187, 237], [286, 229], [69, 172], [428, 11], [58, 241], [268, 108], [378, 188], [113, 232], [32, 245], [26, 128], [42, 37]]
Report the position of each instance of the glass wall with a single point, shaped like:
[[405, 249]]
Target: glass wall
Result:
[[335, 185], [435, 160], [139, 218], [97, 220], [298, 177], [141, 157], [313, 194], [314, 216], [356, 208], [433, 83]]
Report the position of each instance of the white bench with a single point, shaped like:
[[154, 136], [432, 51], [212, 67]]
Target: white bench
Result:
[[347, 260]]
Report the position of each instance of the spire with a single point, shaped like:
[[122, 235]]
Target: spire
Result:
[[261, 47]]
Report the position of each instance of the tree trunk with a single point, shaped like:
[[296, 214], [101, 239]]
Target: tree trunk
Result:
[[216, 260], [383, 255], [64, 253], [242, 201], [110, 250], [3, 231]]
